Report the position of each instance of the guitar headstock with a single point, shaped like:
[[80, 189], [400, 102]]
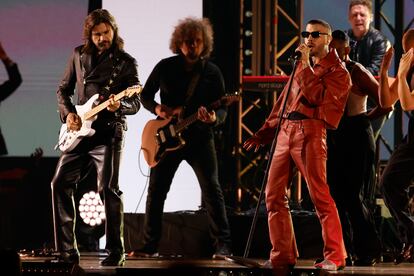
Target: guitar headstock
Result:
[[133, 90]]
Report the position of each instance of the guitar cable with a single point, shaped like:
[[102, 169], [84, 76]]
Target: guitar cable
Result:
[[146, 182]]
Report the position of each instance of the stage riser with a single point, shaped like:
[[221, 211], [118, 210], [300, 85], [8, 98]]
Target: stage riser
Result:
[[187, 234]]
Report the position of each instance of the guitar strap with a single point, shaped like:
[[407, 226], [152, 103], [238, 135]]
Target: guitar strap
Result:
[[193, 83]]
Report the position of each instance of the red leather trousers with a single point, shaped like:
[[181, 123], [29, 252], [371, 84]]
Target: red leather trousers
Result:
[[301, 142]]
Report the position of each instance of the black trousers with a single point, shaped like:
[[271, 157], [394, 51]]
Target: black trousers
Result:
[[351, 153], [395, 182], [202, 158], [106, 159]]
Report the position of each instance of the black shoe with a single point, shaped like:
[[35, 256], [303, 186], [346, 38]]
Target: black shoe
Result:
[[349, 261], [114, 259], [222, 250], [406, 254], [365, 261], [70, 256]]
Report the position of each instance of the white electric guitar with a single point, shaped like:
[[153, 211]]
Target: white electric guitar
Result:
[[69, 139]]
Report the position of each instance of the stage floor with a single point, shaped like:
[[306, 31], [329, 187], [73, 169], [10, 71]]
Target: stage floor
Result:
[[89, 265]]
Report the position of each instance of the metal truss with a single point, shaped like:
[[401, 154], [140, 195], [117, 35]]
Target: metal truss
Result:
[[269, 33]]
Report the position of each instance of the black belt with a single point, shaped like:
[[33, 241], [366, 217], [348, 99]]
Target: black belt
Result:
[[296, 116]]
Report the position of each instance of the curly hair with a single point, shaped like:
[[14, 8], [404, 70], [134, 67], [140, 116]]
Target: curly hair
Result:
[[186, 28], [95, 18]]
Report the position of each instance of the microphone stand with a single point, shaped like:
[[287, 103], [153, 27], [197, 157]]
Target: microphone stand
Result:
[[243, 260]]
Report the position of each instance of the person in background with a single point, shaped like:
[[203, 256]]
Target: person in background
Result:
[[368, 46], [98, 68], [319, 91], [351, 155], [8, 87], [187, 82], [398, 175]]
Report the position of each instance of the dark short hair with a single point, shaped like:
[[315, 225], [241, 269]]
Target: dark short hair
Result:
[[366, 3], [186, 27], [95, 18], [320, 22], [340, 35]]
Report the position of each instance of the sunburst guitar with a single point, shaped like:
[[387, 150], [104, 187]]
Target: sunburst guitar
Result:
[[162, 136]]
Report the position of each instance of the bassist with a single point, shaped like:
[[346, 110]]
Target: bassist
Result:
[[187, 82]]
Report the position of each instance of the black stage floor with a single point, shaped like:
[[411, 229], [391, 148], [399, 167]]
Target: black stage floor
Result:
[[89, 265]]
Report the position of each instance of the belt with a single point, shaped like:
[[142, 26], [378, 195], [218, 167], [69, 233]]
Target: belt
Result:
[[295, 116]]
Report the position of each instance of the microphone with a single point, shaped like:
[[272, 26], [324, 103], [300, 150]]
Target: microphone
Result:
[[296, 56]]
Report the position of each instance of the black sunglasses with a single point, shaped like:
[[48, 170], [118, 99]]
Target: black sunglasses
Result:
[[315, 34]]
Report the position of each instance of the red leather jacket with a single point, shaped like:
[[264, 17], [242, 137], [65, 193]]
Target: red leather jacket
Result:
[[319, 93]]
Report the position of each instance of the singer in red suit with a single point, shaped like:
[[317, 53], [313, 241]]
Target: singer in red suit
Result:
[[319, 91]]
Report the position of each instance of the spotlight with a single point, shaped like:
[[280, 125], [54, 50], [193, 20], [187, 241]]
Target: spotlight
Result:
[[248, 13], [248, 52], [91, 209], [247, 71], [248, 33]]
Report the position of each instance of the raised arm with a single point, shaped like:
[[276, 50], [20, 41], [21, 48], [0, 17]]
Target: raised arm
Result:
[[388, 95], [405, 94]]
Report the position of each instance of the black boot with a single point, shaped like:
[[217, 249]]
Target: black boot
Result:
[[115, 258], [406, 254], [70, 256]]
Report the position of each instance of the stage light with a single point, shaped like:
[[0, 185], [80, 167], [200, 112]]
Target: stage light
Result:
[[247, 71], [248, 33], [248, 52], [91, 209]]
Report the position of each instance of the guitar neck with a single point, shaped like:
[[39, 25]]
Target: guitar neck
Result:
[[186, 122], [91, 113], [181, 125]]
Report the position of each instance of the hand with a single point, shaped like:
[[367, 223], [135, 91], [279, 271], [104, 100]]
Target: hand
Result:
[[205, 116], [4, 57], [164, 111], [405, 64], [305, 53], [113, 105], [253, 141], [386, 61], [73, 121], [3, 54]]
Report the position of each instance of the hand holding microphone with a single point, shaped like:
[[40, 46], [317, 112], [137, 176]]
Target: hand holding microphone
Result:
[[302, 53]]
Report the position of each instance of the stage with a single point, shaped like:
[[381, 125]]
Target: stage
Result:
[[167, 265]]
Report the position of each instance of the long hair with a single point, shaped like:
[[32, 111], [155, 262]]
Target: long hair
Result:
[[186, 28], [95, 18]]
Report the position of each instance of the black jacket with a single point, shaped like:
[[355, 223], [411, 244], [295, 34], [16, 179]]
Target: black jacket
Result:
[[90, 75], [369, 50], [170, 78]]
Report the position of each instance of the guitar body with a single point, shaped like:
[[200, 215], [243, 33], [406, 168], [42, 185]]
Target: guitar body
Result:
[[69, 139], [88, 113], [159, 137]]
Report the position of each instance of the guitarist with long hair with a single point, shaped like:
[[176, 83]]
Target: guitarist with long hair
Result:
[[98, 69], [188, 84]]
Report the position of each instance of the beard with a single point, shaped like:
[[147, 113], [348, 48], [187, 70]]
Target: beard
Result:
[[103, 45]]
